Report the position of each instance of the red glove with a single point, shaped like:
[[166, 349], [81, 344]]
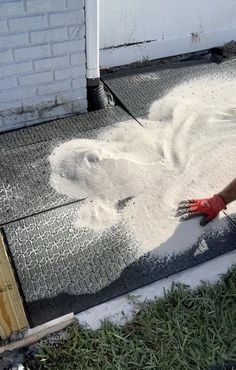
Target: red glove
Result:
[[209, 207]]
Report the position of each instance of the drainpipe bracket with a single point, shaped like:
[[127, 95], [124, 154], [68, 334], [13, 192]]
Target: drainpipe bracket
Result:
[[93, 82]]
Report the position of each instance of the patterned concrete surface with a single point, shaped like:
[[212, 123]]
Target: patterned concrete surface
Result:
[[59, 268], [24, 168], [138, 88]]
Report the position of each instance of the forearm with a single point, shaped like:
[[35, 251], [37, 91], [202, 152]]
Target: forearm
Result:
[[229, 192]]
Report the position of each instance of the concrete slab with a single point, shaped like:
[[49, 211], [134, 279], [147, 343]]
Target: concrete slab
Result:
[[62, 269], [121, 310], [138, 88], [24, 166]]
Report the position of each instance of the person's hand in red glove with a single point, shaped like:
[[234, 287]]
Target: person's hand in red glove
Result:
[[208, 207]]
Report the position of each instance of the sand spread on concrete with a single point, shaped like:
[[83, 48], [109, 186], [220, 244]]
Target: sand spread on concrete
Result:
[[185, 149]]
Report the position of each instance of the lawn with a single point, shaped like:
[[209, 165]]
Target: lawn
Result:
[[187, 329]]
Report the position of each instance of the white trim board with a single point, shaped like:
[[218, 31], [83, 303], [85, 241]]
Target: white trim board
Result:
[[123, 55], [121, 309]]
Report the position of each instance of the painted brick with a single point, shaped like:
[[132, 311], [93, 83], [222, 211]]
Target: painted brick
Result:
[[57, 34], [28, 23], [78, 83], [14, 40], [30, 76], [77, 59], [58, 111], [71, 72], [7, 83], [81, 94], [54, 87], [14, 69], [3, 26], [11, 8], [80, 106], [32, 52], [10, 105], [39, 101], [5, 56], [22, 117], [76, 32], [13, 126], [14, 94], [35, 78], [66, 19], [51, 63], [68, 47], [63, 97], [33, 6], [75, 4]]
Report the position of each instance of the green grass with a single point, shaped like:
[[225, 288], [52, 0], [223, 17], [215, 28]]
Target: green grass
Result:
[[184, 330]]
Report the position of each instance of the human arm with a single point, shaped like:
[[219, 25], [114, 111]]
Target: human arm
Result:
[[229, 192], [208, 207]]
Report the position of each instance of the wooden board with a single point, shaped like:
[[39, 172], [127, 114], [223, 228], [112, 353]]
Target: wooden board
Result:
[[39, 332], [12, 315]]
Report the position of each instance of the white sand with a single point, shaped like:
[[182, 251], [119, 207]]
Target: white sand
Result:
[[186, 149]]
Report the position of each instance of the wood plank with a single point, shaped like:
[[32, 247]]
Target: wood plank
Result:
[[12, 315], [37, 333]]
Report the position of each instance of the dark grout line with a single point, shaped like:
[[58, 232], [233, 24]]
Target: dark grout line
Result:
[[40, 212], [122, 105], [23, 145], [229, 218]]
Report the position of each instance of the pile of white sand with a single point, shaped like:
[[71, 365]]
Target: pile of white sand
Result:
[[186, 149]]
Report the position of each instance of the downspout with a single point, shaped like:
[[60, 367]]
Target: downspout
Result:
[[97, 98]]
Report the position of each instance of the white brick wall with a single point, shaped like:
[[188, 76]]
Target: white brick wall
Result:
[[42, 61]]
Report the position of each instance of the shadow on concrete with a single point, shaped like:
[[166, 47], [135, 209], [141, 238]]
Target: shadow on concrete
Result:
[[148, 268]]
